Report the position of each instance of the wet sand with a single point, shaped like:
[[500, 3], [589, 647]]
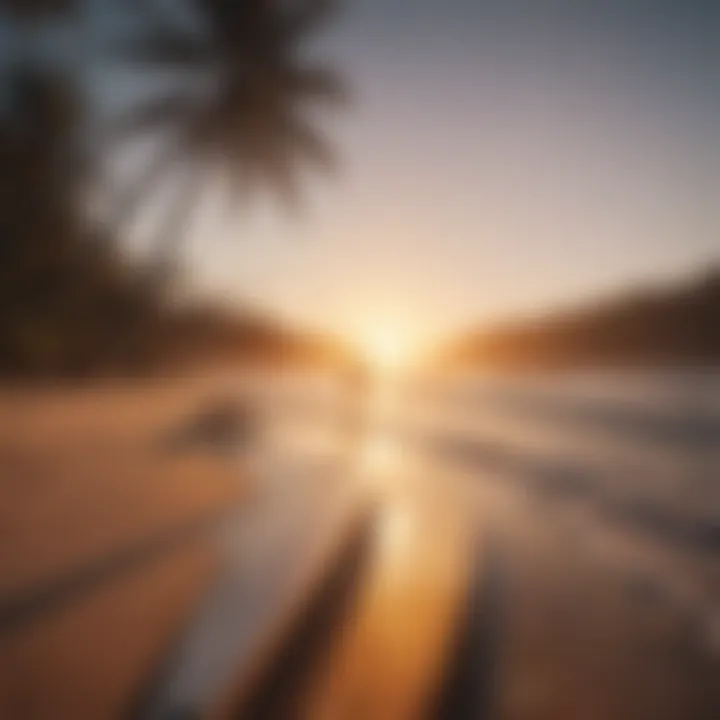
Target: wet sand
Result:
[[101, 547]]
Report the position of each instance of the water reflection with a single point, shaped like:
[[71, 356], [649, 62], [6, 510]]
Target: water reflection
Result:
[[380, 453], [577, 500]]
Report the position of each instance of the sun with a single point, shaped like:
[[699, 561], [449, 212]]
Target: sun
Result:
[[386, 349]]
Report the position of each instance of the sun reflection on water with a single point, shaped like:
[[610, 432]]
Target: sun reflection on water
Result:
[[381, 454]]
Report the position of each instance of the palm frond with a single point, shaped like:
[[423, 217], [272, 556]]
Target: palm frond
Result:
[[317, 83], [250, 125], [280, 176], [305, 16], [158, 114], [309, 144], [179, 218], [141, 187], [163, 47]]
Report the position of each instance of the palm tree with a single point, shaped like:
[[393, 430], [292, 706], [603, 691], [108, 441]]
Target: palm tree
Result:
[[69, 302], [240, 111]]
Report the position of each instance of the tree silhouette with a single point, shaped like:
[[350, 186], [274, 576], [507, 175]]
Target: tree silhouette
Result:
[[240, 112], [68, 302]]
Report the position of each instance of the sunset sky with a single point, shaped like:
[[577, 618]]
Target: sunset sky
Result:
[[499, 157]]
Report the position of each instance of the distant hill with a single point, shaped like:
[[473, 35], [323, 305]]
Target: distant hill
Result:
[[661, 326], [210, 333]]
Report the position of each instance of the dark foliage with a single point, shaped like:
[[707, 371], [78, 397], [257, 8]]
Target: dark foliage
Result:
[[239, 113], [68, 302], [71, 304], [666, 327]]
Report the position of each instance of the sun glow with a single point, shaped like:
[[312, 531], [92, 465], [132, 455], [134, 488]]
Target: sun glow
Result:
[[387, 350]]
